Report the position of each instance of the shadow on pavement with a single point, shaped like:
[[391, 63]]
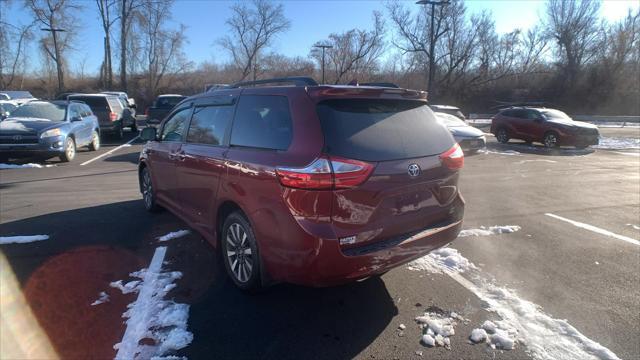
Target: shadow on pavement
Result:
[[131, 157], [286, 321]]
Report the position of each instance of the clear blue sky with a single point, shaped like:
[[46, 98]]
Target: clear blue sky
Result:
[[310, 21]]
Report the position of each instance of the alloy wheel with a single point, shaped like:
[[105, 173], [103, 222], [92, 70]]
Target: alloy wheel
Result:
[[70, 150], [239, 254], [550, 140], [95, 142], [502, 136], [147, 189]]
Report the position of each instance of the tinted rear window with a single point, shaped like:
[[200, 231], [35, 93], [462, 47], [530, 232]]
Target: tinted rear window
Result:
[[381, 130], [262, 122], [94, 102], [168, 101]]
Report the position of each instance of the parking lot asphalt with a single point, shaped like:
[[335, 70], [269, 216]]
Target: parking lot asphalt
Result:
[[99, 233]]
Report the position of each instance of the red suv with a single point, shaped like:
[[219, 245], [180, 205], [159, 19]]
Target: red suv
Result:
[[307, 184], [551, 127]]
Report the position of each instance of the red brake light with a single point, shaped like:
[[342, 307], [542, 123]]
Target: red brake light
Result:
[[326, 173], [113, 116], [453, 158]]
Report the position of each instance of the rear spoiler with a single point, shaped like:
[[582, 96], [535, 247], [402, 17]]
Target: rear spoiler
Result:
[[319, 93]]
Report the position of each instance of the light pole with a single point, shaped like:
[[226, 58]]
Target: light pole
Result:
[[323, 47], [53, 32], [432, 39]]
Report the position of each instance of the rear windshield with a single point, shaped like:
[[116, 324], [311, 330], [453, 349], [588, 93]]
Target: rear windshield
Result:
[[94, 102], [381, 130], [168, 101]]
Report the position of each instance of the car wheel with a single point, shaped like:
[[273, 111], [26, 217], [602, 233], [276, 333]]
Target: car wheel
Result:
[[119, 132], [134, 127], [550, 140], [95, 141], [148, 194], [69, 150], [240, 253], [502, 136]]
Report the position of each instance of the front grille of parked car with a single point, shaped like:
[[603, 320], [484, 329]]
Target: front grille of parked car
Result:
[[18, 139]]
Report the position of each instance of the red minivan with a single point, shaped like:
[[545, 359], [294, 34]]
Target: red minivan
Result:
[[304, 183]]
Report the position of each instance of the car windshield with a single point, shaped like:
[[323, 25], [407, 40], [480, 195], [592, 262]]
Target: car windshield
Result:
[[41, 110], [168, 101], [555, 115], [449, 120]]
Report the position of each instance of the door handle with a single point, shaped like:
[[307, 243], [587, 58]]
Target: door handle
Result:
[[180, 156]]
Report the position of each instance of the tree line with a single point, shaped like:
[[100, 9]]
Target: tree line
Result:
[[571, 59]]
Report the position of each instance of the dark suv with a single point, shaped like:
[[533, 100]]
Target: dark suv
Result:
[[112, 115], [551, 127], [307, 184]]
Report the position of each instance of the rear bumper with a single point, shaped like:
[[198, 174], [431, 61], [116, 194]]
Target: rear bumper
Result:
[[471, 143], [111, 126], [324, 262]]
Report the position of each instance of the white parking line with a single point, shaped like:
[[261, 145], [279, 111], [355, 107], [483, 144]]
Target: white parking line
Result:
[[596, 229], [139, 314], [128, 143]]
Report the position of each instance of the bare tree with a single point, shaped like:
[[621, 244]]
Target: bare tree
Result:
[[56, 17], [355, 52], [13, 41], [161, 48], [127, 9], [253, 28], [105, 10], [574, 26]]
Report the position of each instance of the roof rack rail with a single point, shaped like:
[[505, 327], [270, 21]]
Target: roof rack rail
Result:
[[295, 80], [380, 84]]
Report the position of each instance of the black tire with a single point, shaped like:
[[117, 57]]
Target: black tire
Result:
[[240, 253], [134, 127], [502, 135], [550, 140], [69, 150], [94, 145], [119, 132], [148, 191]]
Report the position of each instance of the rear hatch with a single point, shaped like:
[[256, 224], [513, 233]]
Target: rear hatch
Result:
[[100, 107], [408, 188]]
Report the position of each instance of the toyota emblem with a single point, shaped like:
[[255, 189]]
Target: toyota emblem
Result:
[[414, 170]]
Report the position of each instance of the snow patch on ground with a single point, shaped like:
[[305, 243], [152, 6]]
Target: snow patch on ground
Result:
[[152, 317], [634, 226], [22, 239], [102, 298], [23, 166], [538, 160], [491, 230], [505, 152], [174, 235], [437, 328], [617, 143], [446, 258]]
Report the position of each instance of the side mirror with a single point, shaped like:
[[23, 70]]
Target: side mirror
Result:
[[76, 118], [148, 134]]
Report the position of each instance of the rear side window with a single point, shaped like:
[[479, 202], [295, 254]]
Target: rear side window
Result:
[[381, 130], [262, 122], [209, 124], [174, 127], [94, 102], [115, 104]]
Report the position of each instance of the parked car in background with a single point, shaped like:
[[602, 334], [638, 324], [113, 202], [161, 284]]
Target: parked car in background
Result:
[[161, 107], [111, 115], [448, 109], [48, 129], [18, 96], [307, 184], [129, 110], [469, 138], [6, 108], [130, 102], [551, 127]]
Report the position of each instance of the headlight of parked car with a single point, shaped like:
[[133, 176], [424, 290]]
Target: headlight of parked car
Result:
[[51, 133]]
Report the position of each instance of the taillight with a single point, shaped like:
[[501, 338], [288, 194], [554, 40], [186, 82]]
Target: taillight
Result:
[[453, 158], [326, 173], [113, 116]]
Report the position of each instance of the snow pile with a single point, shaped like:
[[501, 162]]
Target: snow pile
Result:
[[491, 230], [616, 143], [447, 259], [23, 166], [437, 328], [634, 226], [22, 239], [103, 298], [174, 235], [497, 336], [151, 317]]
